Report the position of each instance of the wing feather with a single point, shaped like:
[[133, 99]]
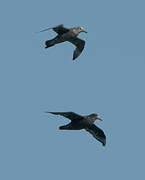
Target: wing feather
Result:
[[70, 115], [80, 44], [59, 29], [97, 134]]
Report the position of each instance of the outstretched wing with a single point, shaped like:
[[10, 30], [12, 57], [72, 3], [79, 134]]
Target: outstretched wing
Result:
[[97, 133], [59, 29], [79, 43], [70, 115]]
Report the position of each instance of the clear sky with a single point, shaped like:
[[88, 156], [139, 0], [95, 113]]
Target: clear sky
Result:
[[108, 78]]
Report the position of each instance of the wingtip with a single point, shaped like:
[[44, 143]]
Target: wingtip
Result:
[[51, 112], [46, 112], [74, 58], [104, 143]]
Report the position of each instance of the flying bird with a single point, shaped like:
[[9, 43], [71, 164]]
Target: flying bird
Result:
[[67, 34], [79, 122]]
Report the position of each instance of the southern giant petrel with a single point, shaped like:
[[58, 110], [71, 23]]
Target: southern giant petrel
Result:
[[67, 34], [79, 122]]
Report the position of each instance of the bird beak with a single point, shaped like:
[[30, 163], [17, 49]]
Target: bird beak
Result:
[[85, 31], [99, 119]]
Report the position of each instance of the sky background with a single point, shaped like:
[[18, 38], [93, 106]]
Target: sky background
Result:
[[108, 78]]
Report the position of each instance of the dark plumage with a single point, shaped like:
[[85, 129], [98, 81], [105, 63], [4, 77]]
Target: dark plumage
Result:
[[67, 34], [79, 122]]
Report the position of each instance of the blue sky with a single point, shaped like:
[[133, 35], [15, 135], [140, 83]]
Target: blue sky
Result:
[[107, 78]]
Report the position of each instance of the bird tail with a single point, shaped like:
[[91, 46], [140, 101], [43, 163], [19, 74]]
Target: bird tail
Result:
[[62, 128], [49, 43], [66, 127]]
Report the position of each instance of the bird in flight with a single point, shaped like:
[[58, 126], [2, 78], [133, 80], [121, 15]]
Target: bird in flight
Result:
[[79, 122], [67, 34]]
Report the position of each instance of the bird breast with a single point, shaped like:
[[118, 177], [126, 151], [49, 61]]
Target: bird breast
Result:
[[89, 121]]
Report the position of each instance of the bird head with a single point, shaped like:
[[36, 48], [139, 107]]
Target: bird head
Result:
[[95, 116], [81, 29]]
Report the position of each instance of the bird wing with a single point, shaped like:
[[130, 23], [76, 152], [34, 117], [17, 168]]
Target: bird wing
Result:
[[79, 43], [59, 29], [97, 133], [70, 115]]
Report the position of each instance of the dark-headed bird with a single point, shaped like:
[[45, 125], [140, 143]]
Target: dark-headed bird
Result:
[[79, 122], [67, 34]]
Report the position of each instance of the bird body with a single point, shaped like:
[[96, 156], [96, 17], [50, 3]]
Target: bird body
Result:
[[79, 122], [69, 35]]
